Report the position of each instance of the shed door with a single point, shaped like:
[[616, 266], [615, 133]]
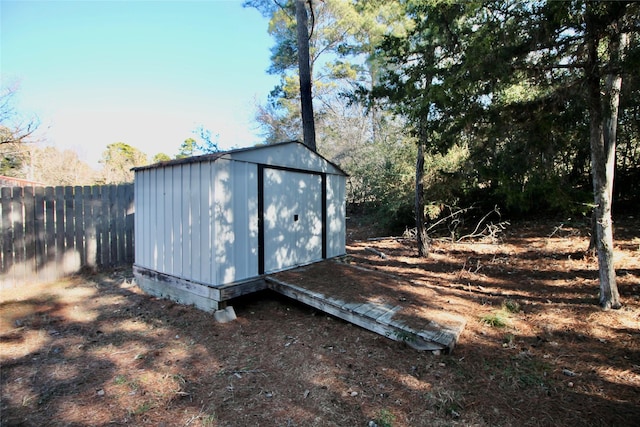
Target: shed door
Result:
[[292, 219]]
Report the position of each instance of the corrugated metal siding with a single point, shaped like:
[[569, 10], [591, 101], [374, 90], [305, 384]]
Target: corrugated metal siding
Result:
[[292, 218], [199, 220], [236, 214], [336, 212], [294, 156]]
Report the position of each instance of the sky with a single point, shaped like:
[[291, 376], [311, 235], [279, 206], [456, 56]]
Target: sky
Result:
[[146, 73]]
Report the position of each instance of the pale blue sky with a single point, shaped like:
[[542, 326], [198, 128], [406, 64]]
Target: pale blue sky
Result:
[[146, 73]]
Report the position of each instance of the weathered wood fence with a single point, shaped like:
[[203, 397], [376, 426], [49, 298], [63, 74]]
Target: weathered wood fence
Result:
[[49, 232]]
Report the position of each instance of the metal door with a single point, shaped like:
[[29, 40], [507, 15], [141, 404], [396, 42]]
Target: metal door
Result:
[[292, 218]]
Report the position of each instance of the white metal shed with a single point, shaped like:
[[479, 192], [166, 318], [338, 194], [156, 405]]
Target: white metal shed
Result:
[[208, 228]]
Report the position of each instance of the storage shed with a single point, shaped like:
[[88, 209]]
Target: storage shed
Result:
[[208, 228]]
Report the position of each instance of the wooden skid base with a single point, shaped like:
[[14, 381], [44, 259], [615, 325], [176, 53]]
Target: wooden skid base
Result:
[[373, 317], [202, 296]]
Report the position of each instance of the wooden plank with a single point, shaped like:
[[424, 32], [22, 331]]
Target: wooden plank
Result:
[[50, 232], [365, 322], [90, 245], [277, 282], [59, 212], [113, 232], [7, 230], [105, 246], [96, 194], [235, 290], [351, 306], [29, 232], [40, 260], [78, 222], [121, 212], [18, 220], [69, 215], [435, 333], [129, 228], [385, 319], [372, 310], [165, 286], [179, 284]]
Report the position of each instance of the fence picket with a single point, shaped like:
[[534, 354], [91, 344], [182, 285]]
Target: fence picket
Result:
[[104, 227], [89, 228], [69, 213], [79, 224], [50, 231], [59, 210], [29, 230], [7, 231], [39, 240]]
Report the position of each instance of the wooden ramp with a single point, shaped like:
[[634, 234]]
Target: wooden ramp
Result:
[[376, 301]]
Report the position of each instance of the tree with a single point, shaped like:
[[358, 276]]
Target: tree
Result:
[[304, 67], [208, 143], [161, 157], [53, 167], [118, 160], [187, 149], [506, 74], [604, 23], [14, 129], [341, 31], [14, 159]]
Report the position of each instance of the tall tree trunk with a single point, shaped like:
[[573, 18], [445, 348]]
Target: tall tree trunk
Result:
[[421, 232], [304, 67], [603, 111]]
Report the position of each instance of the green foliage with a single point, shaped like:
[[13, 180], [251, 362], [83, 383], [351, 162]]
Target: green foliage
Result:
[[494, 90], [187, 149], [118, 160], [385, 418], [511, 306], [161, 157], [496, 320], [12, 160], [381, 183]]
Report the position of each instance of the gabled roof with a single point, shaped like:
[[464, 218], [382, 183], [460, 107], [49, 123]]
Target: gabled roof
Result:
[[237, 153]]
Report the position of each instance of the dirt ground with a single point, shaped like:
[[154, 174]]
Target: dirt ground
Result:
[[536, 349]]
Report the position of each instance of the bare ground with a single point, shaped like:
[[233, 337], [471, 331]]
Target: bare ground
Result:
[[536, 350]]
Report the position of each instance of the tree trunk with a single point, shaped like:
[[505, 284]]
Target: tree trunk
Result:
[[603, 112], [421, 232], [304, 67]]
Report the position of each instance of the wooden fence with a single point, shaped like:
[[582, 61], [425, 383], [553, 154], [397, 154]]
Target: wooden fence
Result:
[[49, 232]]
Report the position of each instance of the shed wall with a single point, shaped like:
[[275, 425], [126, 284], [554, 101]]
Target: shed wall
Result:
[[292, 155], [336, 214], [173, 221], [236, 221], [198, 221]]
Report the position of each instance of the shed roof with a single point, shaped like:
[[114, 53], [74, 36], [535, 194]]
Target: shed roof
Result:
[[231, 154]]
